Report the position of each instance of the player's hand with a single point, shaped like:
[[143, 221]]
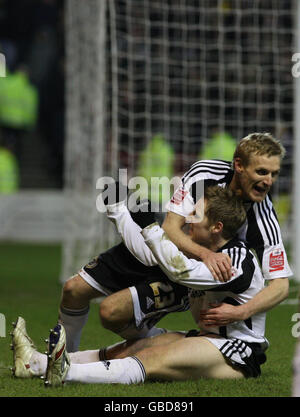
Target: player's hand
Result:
[[220, 315], [219, 265]]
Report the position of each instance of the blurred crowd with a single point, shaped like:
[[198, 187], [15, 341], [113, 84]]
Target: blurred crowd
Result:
[[32, 92], [165, 75], [190, 70]]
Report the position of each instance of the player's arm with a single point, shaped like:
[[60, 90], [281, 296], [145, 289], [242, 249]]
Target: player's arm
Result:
[[272, 256], [264, 236], [265, 300], [276, 291], [219, 264], [175, 264], [130, 233]]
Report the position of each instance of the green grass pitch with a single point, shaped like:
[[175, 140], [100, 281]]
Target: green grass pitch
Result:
[[29, 287]]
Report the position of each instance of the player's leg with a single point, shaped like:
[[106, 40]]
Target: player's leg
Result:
[[74, 308], [116, 312], [28, 362], [77, 293], [183, 359], [186, 358], [130, 313], [103, 275], [61, 366], [131, 347], [155, 298], [133, 312]]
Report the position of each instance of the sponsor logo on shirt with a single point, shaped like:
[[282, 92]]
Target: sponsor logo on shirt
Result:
[[276, 262]]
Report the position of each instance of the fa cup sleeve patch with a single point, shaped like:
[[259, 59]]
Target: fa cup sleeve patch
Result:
[[179, 196], [276, 261]]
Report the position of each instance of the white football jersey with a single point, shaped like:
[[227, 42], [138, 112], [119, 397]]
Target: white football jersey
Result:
[[246, 282], [261, 230]]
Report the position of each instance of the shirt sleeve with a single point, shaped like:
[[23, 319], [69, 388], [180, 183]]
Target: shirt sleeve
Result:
[[180, 269], [181, 203], [130, 233], [264, 236]]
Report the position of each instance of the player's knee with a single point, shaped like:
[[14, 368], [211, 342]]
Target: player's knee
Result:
[[108, 314], [72, 289]]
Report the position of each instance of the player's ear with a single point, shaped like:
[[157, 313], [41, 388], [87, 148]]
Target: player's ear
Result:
[[238, 165], [217, 227]]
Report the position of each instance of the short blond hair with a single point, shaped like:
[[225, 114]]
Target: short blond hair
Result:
[[223, 205], [258, 144]]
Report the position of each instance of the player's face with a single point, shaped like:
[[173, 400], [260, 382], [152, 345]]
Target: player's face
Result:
[[256, 179], [200, 232]]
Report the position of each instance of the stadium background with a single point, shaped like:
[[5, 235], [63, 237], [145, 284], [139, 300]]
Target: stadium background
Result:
[[150, 86]]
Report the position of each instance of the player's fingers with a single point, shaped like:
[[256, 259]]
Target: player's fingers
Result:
[[217, 272], [227, 260], [208, 316], [213, 305], [225, 271], [214, 322]]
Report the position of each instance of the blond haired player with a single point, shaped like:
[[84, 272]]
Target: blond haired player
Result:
[[255, 168]]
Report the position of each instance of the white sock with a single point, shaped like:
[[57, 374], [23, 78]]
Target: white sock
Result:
[[73, 322], [117, 371], [38, 363], [85, 356]]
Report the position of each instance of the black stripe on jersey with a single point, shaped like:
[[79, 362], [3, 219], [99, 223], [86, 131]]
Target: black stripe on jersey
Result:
[[270, 219], [266, 224], [254, 238], [140, 365], [239, 257], [231, 254], [208, 162], [223, 332], [226, 347], [201, 170], [212, 166], [235, 255], [241, 283]]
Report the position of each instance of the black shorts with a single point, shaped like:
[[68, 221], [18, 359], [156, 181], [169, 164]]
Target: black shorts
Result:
[[243, 355], [154, 295]]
